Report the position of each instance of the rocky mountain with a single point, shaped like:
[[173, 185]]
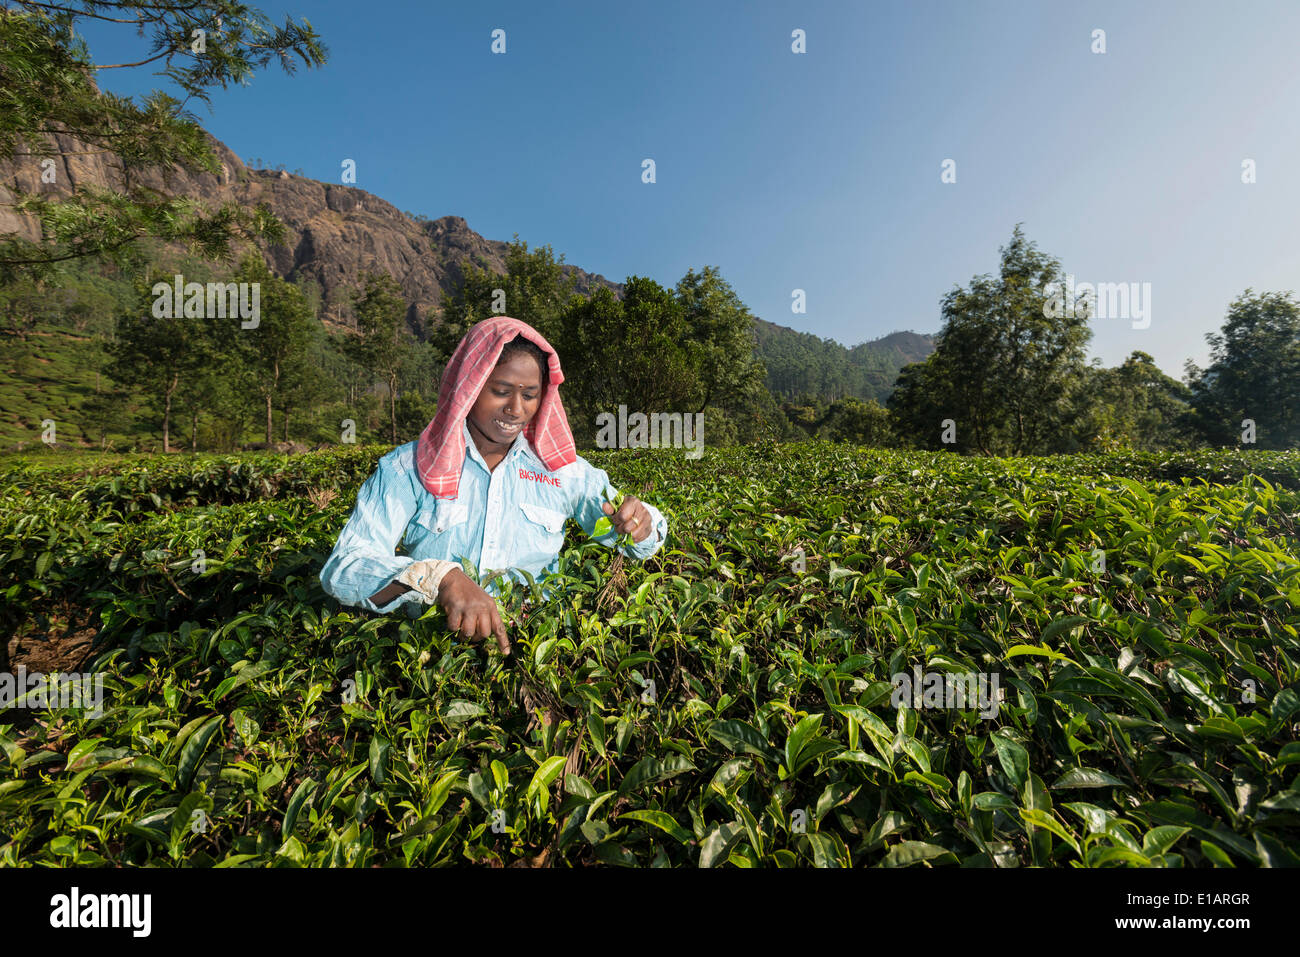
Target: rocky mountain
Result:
[[337, 231]]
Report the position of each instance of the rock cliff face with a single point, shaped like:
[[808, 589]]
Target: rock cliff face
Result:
[[334, 231]]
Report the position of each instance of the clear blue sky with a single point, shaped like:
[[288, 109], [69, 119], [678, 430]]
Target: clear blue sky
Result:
[[818, 171]]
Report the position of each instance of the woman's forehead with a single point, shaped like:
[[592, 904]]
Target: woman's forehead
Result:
[[520, 369]]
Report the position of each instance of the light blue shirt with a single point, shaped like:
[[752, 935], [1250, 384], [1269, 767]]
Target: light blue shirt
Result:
[[510, 518]]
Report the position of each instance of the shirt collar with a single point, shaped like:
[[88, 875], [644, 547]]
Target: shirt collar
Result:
[[519, 447]]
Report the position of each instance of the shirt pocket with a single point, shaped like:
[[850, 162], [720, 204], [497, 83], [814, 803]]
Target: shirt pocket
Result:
[[435, 519], [547, 518], [449, 515]]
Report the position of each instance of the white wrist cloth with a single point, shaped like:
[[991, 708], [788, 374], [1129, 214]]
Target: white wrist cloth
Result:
[[425, 576]]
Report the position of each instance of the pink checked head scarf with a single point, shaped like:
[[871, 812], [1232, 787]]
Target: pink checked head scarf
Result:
[[440, 451]]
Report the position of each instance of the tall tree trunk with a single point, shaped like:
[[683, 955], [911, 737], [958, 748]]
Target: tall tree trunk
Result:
[[275, 383], [167, 413], [705, 404], [392, 407], [194, 430]]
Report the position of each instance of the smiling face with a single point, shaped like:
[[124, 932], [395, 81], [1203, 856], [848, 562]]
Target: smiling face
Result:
[[508, 402]]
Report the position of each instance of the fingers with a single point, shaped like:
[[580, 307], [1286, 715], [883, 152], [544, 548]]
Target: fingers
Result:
[[473, 614], [503, 642], [488, 622], [465, 622], [634, 518], [479, 622], [627, 510]]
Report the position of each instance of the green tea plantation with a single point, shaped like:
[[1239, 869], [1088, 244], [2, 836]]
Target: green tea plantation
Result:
[[840, 657]]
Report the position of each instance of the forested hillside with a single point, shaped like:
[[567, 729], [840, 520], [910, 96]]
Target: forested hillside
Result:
[[799, 363]]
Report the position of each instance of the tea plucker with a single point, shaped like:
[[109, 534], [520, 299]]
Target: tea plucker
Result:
[[492, 478]]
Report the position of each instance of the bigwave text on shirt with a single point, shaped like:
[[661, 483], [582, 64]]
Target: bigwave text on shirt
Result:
[[529, 475]]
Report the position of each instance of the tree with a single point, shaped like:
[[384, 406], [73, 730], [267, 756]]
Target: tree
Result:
[[533, 290], [203, 387], [919, 405], [808, 413], [275, 350], [1006, 364], [1254, 373], [758, 418], [378, 347], [653, 365], [153, 354], [105, 412], [721, 342], [589, 323], [308, 388], [685, 350], [721, 338], [51, 107], [420, 371], [212, 385], [1134, 406], [414, 412], [860, 423], [632, 353], [24, 303]]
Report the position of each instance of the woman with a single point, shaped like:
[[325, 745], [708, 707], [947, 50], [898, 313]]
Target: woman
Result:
[[492, 479]]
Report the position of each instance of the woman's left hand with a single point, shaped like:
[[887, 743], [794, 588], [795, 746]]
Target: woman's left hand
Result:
[[632, 518]]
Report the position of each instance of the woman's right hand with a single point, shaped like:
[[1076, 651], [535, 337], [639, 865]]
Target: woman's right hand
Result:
[[470, 610]]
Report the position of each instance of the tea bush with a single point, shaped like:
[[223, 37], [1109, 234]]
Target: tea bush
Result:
[[738, 704]]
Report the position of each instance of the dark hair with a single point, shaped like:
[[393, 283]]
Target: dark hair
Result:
[[522, 343]]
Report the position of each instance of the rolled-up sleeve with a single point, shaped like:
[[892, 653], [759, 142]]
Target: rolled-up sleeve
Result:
[[589, 511], [363, 560]]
